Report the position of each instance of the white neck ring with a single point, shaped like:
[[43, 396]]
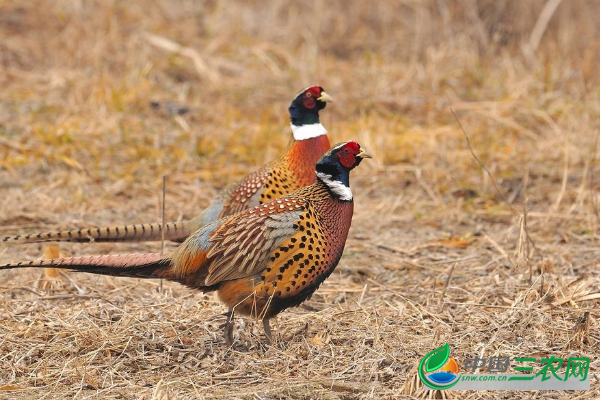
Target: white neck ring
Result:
[[337, 187], [309, 131]]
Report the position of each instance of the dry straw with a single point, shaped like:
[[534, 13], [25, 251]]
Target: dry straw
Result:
[[440, 249]]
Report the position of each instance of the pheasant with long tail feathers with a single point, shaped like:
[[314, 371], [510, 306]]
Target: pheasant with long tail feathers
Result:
[[293, 170], [260, 261]]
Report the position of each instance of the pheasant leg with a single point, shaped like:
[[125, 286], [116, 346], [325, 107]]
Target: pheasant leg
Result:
[[267, 328], [228, 328]]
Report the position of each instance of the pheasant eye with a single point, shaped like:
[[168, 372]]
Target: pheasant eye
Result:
[[309, 94]]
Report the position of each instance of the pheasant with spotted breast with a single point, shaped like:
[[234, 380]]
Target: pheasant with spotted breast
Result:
[[260, 261], [292, 170]]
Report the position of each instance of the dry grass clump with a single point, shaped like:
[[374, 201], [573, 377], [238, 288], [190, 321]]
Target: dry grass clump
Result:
[[503, 262]]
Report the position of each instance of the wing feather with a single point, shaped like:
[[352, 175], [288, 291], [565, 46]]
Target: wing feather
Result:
[[243, 243], [240, 245]]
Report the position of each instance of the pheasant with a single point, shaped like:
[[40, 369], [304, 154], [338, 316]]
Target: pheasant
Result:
[[293, 170], [260, 261]]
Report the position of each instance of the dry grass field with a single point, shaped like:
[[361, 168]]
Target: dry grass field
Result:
[[496, 261]]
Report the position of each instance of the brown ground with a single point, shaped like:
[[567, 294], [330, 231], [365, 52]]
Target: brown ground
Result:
[[80, 145]]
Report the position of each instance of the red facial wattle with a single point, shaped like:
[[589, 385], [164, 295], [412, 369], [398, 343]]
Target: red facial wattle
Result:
[[309, 102], [347, 160], [310, 97], [348, 153]]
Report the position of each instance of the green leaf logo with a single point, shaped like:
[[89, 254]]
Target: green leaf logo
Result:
[[432, 361], [437, 358]]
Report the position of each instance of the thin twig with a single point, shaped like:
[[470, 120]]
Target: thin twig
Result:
[[448, 280], [515, 213], [526, 228], [542, 23], [162, 212], [592, 169], [527, 250], [565, 178], [162, 228]]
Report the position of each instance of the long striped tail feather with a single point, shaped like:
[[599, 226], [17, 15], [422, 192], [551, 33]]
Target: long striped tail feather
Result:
[[174, 231], [150, 265]]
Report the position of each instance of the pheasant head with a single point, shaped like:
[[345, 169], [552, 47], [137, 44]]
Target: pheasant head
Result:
[[334, 168], [304, 112]]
